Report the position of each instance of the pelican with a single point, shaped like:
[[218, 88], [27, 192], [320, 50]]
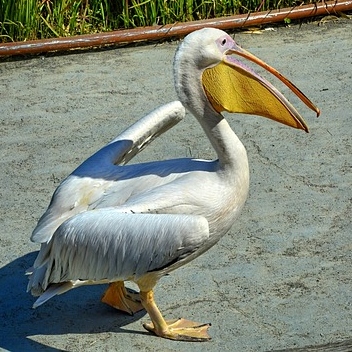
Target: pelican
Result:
[[109, 222]]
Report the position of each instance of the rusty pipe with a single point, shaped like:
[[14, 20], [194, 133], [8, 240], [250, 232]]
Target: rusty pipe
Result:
[[172, 30]]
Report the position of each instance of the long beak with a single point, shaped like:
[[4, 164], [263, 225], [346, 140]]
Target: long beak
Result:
[[234, 87]]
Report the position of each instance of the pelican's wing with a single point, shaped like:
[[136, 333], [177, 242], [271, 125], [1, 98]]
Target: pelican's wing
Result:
[[89, 182], [134, 139], [150, 127], [106, 245]]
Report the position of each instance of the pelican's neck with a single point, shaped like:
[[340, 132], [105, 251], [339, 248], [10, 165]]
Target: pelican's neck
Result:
[[188, 83], [228, 147]]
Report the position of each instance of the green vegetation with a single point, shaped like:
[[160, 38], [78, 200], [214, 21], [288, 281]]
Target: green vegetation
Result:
[[38, 19]]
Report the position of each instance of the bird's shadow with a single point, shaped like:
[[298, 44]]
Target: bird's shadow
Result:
[[76, 312]]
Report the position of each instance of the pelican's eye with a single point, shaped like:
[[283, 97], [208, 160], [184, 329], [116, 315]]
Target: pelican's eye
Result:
[[223, 42]]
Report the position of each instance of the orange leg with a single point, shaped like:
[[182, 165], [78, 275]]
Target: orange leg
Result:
[[120, 298], [179, 329]]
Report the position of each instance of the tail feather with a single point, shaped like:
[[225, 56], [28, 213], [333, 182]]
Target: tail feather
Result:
[[58, 289], [53, 290]]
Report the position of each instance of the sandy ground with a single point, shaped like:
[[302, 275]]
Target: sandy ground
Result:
[[280, 279]]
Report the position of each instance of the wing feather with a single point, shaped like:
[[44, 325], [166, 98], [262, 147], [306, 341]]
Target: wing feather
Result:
[[107, 245], [89, 183], [133, 140]]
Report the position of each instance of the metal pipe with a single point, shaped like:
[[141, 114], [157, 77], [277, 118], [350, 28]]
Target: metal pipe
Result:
[[172, 30]]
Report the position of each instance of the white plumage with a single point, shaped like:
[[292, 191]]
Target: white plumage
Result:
[[121, 239], [108, 222]]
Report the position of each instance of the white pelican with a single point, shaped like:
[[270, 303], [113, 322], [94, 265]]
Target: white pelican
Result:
[[108, 223]]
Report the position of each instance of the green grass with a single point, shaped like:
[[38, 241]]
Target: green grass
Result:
[[37, 19]]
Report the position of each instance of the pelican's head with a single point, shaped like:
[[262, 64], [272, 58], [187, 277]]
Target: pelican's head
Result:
[[211, 56]]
